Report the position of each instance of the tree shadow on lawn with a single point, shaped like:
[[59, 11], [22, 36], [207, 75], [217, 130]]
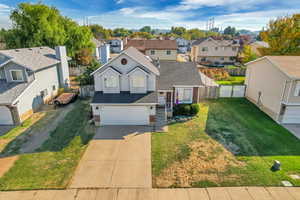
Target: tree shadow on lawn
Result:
[[245, 130]]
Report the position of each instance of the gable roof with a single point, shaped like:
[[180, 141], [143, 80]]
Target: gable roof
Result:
[[217, 42], [32, 58], [178, 73], [9, 92], [143, 45], [289, 65], [135, 55]]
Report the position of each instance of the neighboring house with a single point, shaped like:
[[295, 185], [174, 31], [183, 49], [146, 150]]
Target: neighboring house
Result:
[[156, 49], [256, 46], [209, 50], [273, 84], [116, 45], [183, 45], [131, 85], [28, 78]]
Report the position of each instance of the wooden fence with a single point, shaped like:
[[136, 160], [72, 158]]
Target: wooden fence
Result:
[[76, 71]]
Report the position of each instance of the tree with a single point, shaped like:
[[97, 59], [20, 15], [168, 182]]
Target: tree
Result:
[[100, 32], [86, 78], [283, 35], [230, 31], [144, 35], [146, 29], [248, 54], [178, 30], [41, 25], [121, 32]]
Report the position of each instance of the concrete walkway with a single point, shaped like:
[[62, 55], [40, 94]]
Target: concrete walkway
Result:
[[235, 193], [117, 157]]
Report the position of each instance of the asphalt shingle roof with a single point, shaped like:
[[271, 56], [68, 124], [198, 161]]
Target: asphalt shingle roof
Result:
[[177, 73], [10, 91], [124, 98], [143, 45], [33, 58]]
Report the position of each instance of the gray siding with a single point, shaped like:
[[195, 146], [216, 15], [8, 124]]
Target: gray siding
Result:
[[13, 66]]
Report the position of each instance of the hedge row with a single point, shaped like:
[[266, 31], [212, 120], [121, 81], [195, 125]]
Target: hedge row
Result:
[[186, 109]]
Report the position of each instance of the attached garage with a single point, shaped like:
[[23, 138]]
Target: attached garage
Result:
[[5, 116], [291, 115], [124, 115]]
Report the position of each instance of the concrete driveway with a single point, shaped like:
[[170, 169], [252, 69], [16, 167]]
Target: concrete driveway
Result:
[[294, 129], [117, 157]]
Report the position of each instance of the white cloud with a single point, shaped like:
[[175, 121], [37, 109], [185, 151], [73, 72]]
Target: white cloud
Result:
[[119, 1], [4, 16]]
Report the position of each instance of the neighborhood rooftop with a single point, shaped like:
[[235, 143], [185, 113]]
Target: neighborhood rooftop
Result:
[[32, 58], [143, 45], [10, 91], [178, 73], [290, 65]]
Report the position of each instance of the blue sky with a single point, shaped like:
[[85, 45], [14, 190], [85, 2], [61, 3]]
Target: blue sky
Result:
[[163, 14]]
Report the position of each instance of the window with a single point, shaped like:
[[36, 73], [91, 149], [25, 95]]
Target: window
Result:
[[44, 93], [297, 90], [205, 49], [124, 61], [111, 81], [216, 48], [138, 81], [232, 58], [184, 95], [234, 48], [203, 59], [168, 52], [222, 58], [152, 52], [53, 87], [16, 75]]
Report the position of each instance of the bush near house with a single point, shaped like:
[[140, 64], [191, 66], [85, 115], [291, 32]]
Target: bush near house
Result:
[[186, 109], [215, 73]]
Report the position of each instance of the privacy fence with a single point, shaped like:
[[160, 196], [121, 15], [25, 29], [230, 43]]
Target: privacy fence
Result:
[[229, 91]]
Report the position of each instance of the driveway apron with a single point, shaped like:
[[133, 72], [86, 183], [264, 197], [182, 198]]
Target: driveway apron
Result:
[[117, 157]]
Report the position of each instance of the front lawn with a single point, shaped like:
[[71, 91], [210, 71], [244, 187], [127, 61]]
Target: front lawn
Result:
[[230, 143], [53, 164]]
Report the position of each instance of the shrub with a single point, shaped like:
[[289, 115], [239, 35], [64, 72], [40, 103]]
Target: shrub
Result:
[[186, 109], [195, 108]]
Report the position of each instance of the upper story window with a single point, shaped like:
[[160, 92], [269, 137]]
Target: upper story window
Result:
[[111, 81], [152, 52], [234, 48], [17, 75], [138, 81], [168, 52], [205, 49], [222, 58], [216, 48]]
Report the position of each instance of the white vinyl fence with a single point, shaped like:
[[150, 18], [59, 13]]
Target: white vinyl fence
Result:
[[230, 91], [86, 91]]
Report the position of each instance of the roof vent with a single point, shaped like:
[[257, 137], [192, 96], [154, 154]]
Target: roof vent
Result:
[[30, 49], [17, 50]]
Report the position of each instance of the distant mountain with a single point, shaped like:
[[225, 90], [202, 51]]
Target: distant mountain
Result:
[[248, 32]]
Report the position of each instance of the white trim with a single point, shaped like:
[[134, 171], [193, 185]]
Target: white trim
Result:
[[135, 69], [16, 70], [6, 62], [290, 104], [109, 68], [187, 86]]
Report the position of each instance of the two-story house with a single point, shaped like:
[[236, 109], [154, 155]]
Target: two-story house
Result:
[[116, 45], [28, 78], [183, 45], [131, 85], [209, 50], [156, 49], [273, 84]]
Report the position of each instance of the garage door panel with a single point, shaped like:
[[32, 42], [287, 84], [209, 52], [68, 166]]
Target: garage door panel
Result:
[[5, 116], [124, 115], [291, 115]]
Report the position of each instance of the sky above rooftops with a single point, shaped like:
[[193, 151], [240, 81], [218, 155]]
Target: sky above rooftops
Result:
[[163, 14]]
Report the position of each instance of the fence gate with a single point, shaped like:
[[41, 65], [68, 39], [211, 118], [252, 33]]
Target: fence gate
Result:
[[229, 91]]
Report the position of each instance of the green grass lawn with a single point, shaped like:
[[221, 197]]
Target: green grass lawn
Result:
[[52, 166], [230, 143], [233, 80]]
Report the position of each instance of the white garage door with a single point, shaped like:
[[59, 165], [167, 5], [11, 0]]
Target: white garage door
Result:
[[291, 115], [5, 116], [124, 115]]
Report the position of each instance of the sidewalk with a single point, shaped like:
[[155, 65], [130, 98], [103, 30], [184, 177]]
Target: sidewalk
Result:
[[234, 193]]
